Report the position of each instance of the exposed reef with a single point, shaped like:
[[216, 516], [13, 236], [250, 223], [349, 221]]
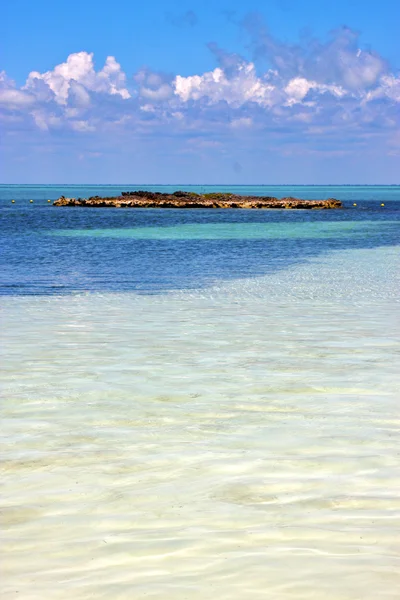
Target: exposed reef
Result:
[[143, 199]]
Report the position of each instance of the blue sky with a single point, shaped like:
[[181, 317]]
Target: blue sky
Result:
[[282, 91]]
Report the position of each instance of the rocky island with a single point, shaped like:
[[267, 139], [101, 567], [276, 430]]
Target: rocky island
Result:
[[179, 199]]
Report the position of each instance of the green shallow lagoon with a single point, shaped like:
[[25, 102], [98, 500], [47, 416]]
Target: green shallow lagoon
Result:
[[237, 231]]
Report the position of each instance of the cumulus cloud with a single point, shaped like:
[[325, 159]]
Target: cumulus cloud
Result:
[[215, 86], [12, 97], [15, 98], [79, 69], [316, 89]]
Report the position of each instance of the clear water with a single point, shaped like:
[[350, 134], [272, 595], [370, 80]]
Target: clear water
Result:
[[200, 403]]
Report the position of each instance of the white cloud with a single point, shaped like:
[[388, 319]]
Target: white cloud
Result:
[[153, 87], [16, 98], [333, 84], [45, 120], [360, 70], [163, 92], [78, 94], [111, 79], [389, 87], [298, 88], [79, 69], [10, 96], [215, 86]]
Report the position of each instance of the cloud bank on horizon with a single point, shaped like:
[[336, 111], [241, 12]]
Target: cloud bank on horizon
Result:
[[317, 97]]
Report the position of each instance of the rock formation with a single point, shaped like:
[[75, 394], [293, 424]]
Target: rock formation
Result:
[[143, 199]]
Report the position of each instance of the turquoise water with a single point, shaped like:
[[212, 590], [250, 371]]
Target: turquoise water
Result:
[[342, 192], [200, 404], [63, 250], [238, 231]]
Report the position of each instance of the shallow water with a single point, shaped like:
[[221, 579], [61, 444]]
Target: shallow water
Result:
[[233, 437]]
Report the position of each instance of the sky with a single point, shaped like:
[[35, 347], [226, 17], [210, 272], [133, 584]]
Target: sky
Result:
[[255, 92]]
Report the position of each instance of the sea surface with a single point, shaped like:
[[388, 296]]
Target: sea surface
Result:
[[200, 403]]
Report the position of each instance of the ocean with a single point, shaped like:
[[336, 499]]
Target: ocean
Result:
[[200, 403]]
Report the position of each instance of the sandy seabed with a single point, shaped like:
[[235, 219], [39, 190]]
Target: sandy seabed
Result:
[[236, 442]]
